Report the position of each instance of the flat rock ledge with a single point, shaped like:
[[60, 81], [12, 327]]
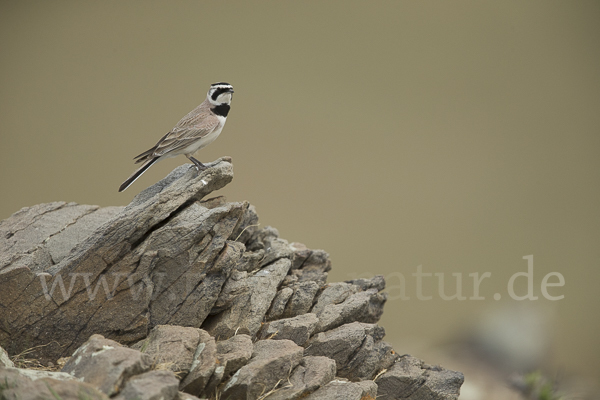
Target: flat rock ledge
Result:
[[182, 296]]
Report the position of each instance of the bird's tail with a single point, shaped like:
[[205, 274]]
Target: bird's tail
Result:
[[138, 172]]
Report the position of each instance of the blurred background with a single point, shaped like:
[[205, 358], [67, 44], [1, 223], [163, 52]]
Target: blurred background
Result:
[[455, 137]]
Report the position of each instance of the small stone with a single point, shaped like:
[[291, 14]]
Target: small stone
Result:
[[301, 254], [16, 385], [334, 293], [171, 346], [361, 307], [301, 300], [275, 249], [105, 364], [411, 379], [344, 390], [234, 353], [153, 385], [377, 282], [310, 375], [204, 362], [279, 302], [356, 348], [272, 362], [297, 329]]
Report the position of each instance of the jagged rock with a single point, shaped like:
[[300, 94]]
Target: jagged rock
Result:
[[344, 390], [185, 287], [301, 299], [332, 294], [307, 265], [250, 260], [275, 247], [310, 274], [210, 390], [248, 227], [310, 375], [236, 289], [279, 302], [377, 282], [16, 386], [301, 254], [35, 374], [191, 353], [40, 236], [411, 379], [171, 346], [106, 364], [203, 365], [272, 362], [214, 202], [256, 293], [370, 358], [161, 260], [153, 385], [297, 329], [312, 268], [197, 278], [362, 307], [356, 348], [234, 353], [299, 288], [5, 359], [342, 303]]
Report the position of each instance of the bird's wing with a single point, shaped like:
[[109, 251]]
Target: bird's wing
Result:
[[196, 124], [184, 135], [149, 153]]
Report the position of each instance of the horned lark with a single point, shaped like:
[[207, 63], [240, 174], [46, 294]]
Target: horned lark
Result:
[[196, 130]]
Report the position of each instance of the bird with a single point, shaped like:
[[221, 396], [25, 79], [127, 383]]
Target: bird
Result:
[[199, 128]]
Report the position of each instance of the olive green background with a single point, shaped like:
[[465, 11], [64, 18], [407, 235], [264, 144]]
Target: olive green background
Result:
[[457, 136]]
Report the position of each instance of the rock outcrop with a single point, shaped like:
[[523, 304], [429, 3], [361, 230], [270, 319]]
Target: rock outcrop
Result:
[[179, 295]]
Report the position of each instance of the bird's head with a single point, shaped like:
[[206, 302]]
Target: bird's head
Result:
[[220, 93]]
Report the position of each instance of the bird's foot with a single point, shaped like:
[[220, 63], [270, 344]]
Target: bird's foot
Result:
[[201, 167], [198, 164]]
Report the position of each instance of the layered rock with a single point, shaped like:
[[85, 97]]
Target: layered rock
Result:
[[210, 304], [411, 378], [16, 385]]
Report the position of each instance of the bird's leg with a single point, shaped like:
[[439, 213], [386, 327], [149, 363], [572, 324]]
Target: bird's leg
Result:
[[198, 164]]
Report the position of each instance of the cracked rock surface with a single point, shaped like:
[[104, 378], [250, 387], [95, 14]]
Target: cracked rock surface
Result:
[[410, 378], [18, 386], [297, 329], [106, 364], [211, 304]]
